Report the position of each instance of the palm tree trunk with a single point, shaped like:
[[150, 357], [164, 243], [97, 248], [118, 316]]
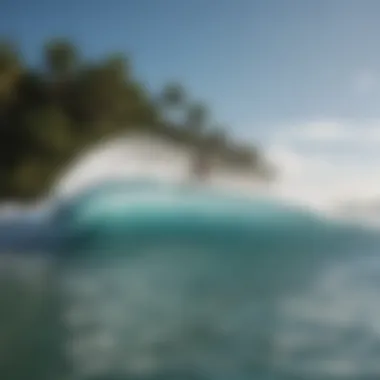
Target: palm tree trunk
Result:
[[200, 166]]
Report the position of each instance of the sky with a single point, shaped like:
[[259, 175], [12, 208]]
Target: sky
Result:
[[299, 77]]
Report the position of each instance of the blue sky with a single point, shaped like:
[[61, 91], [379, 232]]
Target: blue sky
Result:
[[301, 76], [257, 63]]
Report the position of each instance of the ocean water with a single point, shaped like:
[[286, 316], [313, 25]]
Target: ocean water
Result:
[[144, 280]]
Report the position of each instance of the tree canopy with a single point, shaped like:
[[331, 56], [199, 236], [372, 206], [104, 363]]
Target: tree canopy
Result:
[[49, 114]]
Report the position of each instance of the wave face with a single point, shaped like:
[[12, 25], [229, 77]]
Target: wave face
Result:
[[150, 281]]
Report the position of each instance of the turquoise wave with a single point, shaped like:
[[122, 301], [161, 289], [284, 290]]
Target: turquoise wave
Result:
[[151, 281]]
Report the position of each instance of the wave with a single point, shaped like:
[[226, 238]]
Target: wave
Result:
[[167, 280]]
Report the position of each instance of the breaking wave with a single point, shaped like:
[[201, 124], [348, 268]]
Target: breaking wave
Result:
[[150, 281]]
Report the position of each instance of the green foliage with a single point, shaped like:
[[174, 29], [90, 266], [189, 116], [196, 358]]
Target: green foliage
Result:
[[48, 116], [9, 72], [173, 95], [60, 58]]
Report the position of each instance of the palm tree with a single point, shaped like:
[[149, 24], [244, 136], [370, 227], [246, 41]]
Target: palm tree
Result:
[[197, 117], [173, 95], [172, 100], [10, 71], [60, 58], [119, 66]]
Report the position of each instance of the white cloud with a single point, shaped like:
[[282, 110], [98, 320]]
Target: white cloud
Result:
[[364, 82], [292, 162], [324, 131], [316, 131], [326, 176], [331, 131]]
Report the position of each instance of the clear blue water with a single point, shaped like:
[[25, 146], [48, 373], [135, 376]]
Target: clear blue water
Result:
[[147, 281]]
